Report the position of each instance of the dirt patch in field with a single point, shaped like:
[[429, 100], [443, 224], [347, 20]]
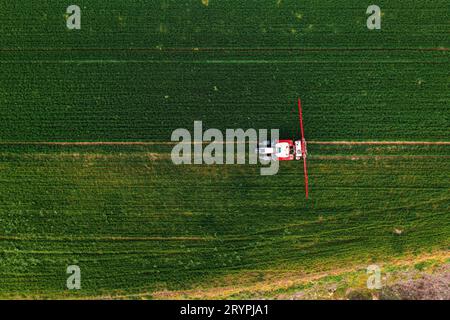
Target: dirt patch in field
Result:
[[421, 286]]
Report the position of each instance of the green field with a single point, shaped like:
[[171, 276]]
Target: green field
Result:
[[137, 70]]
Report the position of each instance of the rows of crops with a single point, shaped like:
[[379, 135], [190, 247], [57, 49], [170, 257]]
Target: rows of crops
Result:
[[143, 96], [129, 218], [137, 70], [52, 90], [231, 23]]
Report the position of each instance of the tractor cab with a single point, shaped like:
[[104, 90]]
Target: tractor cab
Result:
[[282, 150]]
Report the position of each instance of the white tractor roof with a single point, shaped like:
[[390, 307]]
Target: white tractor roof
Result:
[[282, 150]]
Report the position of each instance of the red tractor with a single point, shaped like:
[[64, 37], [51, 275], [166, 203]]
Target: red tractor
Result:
[[286, 150]]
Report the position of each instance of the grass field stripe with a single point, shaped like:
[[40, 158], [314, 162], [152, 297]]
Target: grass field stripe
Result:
[[212, 49], [150, 143], [380, 142], [269, 62]]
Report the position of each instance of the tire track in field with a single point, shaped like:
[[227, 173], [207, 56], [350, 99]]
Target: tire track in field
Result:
[[222, 49], [378, 157], [154, 156], [101, 238], [150, 143], [343, 142]]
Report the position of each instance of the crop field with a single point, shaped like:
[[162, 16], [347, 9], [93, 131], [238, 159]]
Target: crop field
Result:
[[86, 175]]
